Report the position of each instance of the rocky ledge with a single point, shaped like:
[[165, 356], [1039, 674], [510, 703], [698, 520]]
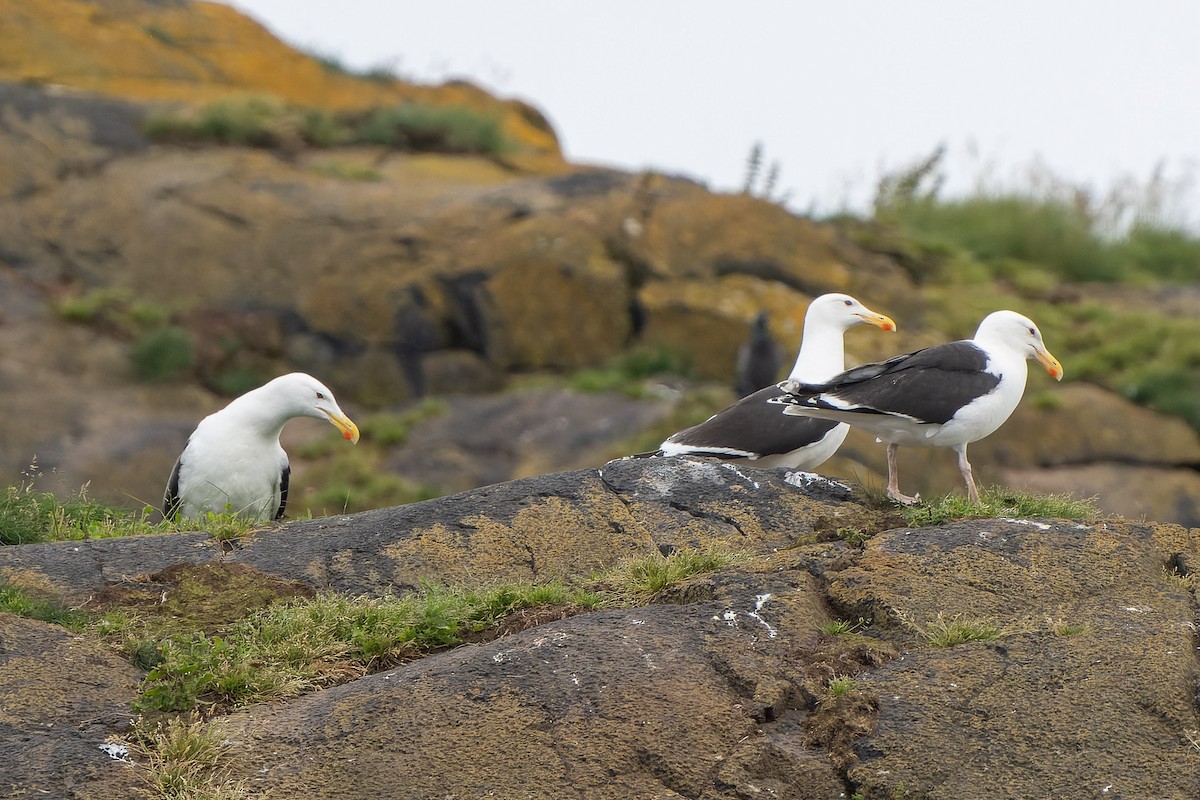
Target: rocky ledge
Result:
[[720, 688]]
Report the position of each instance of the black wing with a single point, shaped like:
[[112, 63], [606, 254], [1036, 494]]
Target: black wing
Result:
[[283, 489], [754, 425], [929, 385], [171, 500]]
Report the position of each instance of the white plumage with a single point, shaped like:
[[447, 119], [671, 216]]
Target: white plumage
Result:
[[753, 429], [944, 396], [233, 461]]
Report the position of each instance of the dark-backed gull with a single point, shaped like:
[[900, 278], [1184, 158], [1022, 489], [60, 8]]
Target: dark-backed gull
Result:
[[753, 429], [944, 396]]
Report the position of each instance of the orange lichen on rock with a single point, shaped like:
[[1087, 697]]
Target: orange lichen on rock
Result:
[[196, 52]]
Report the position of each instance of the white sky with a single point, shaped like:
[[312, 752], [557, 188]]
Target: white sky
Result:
[[837, 92]]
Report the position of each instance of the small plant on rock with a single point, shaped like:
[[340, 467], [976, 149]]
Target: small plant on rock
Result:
[[841, 626], [943, 631], [640, 579], [1061, 627], [183, 760]]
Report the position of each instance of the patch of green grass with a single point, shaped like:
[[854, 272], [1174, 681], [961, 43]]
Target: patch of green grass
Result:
[[298, 646], [1166, 253], [264, 121], [841, 684], [223, 527], [638, 580], [839, 627], [440, 129], [1061, 627], [235, 380], [251, 120], [183, 760], [15, 600], [997, 502], [1047, 229], [162, 354], [28, 515], [943, 631]]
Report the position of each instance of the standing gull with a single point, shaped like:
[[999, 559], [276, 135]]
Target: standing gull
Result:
[[944, 396], [233, 460], [753, 429]]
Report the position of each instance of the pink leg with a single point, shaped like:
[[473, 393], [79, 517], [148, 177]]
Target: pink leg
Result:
[[893, 487], [964, 467]]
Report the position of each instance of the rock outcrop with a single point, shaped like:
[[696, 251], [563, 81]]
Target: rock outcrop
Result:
[[718, 689]]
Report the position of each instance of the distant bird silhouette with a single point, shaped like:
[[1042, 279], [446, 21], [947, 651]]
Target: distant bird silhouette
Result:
[[944, 396], [758, 359]]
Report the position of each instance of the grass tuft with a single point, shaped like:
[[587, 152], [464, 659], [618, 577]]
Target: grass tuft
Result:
[[184, 760], [638, 580], [943, 631], [841, 684], [162, 354], [1061, 627], [28, 515], [839, 627], [1000, 503]]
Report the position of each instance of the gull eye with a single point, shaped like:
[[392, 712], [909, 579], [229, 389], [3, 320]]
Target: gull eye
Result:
[[1033, 331], [847, 303], [320, 395]]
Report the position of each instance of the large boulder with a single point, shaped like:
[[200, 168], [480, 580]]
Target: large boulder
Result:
[[1095, 657]]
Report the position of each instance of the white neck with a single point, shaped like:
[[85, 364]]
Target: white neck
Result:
[[251, 412], [822, 353]]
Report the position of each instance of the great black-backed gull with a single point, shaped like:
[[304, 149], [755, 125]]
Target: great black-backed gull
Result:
[[233, 461], [753, 429], [944, 396], [758, 359]]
